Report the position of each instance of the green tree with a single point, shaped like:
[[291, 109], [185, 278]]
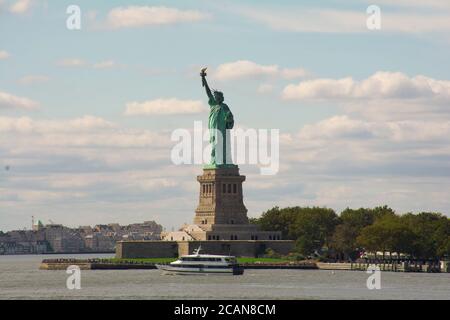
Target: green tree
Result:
[[401, 237], [442, 237], [277, 219], [424, 235], [382, 211], [358, 218], [431, 231], [343, 241], [352, 222], [387, 233], [313, 228], [444, 248], [373, 238], [253, 220]]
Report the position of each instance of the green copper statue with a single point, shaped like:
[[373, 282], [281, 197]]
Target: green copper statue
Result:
[[220, 119]]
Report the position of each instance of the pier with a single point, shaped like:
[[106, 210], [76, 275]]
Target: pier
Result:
[[94, 264], [393, 265]]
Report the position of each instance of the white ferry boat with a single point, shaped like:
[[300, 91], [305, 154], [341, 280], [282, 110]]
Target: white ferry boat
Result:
[[197, 263]]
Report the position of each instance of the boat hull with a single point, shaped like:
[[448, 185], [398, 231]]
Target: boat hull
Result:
[[232, 270]]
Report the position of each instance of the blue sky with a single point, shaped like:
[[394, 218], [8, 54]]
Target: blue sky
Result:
[[363, 114]]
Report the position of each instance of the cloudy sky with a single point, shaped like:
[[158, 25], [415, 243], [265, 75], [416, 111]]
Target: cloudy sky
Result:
[[86, 115]]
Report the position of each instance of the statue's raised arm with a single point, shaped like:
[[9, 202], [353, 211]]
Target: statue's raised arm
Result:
[[205, 84]]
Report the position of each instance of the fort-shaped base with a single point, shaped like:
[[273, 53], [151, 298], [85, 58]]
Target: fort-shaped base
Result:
[[173, 249]]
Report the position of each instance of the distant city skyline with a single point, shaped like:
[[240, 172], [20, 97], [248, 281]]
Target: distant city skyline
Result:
[[363, 114], [57, 238]]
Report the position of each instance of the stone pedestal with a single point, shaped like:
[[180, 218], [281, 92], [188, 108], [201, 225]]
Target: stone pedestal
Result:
[[221, 198]]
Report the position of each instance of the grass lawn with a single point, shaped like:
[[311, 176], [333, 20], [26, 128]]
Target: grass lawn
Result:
[[262, 260]]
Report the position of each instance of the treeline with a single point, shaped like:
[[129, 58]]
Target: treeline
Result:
[[321, 231]]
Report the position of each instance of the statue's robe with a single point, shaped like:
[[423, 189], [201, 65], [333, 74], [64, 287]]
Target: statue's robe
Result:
[[220, 119]]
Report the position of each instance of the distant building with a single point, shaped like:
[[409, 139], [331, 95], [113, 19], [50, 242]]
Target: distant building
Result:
[[63, 239], [57, 238]]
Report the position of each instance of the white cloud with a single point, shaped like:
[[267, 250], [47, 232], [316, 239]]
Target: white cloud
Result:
[[309, 20], [265, 88], [86, 132], [381, 85], [33, 79], [336, 127], [71, 62], [164, 107], [345, 21], [8, 100], [105, 64], [436, 4], [86, 165], [139, 16], [139, 179], [20, 6], [242, 69], [93, 166], [344, 127], [249, 69], [344, 151], [76, 62], [28, 125], [4, 55], [294, 73], [320, 89]]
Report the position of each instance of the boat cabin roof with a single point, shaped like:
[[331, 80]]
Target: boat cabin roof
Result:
[[205, 256]]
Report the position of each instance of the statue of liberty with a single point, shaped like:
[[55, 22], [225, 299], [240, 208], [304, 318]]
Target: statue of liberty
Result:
[[220, 119]]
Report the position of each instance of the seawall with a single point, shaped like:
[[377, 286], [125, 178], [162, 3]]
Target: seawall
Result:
[[173, 249], [63, 264]]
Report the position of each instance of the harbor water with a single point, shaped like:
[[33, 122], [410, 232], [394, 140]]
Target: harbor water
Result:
[[20, 278]]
